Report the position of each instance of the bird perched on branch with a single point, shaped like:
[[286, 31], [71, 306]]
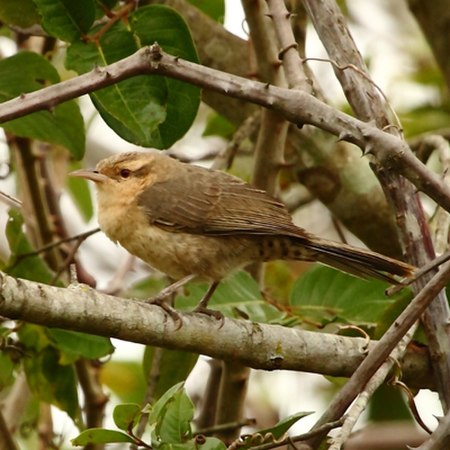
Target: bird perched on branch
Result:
[[188, 222]]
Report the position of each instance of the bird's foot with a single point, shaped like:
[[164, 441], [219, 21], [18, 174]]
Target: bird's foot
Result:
[[172, 312], [211, 313]]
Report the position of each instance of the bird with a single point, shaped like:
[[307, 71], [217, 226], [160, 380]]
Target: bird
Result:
[[192, 222]]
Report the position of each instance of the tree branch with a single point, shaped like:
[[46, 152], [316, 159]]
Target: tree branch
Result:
[[260, 346], [296, 106]]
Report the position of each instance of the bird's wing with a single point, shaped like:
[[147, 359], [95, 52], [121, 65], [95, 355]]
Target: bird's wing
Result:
[[212, 202]]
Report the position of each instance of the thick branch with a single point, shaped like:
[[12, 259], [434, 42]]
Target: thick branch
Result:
[[260, 346], [296, 106]]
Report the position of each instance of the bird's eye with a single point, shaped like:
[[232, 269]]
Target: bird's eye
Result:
[[125, 173]]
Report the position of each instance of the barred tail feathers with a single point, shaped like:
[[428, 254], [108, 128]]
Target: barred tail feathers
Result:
[[359, 262]]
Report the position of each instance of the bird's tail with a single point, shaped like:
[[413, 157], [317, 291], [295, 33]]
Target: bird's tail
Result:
[[355, 261]]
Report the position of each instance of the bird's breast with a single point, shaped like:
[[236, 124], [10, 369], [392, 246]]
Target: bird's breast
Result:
[[177, 254]]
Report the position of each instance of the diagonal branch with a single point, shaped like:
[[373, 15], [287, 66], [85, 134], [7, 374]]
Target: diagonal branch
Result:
[[367, 103], [385, 345]]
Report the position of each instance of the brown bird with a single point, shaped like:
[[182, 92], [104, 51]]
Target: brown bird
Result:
[[188, 222]]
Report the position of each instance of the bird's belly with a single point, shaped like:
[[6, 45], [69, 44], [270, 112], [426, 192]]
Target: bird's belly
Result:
[[180, 254]]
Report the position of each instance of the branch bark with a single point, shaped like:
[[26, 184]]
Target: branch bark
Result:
[[260, 346]]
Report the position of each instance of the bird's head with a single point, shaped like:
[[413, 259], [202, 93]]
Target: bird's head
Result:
[[126, 174]]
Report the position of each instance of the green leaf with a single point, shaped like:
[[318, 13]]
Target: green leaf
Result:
[[283, 426], [164, 25], [66, 19], [53, 382], [174, 366], [146, 110], [21, 13], [236, 296], [31, 267], [170, 417], [213, 8], [157, 409], [101, 436], [173, 421], [77, 345], [126, 415], [63, 125], [324, 294]]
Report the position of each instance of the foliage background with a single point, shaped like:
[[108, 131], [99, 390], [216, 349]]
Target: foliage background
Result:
[[400, 63]]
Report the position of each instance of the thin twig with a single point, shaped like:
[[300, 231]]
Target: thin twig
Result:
[[360, 72], [358, 407], [78, 237], [10, 200]]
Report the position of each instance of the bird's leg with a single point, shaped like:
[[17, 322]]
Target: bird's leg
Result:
[[160, 299], [202, 307], [171, 289]]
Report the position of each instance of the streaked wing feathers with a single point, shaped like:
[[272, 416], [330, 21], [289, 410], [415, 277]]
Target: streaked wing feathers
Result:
[[212, 202]]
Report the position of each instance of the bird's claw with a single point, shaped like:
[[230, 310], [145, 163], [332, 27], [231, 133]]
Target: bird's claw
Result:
[[172, 312], [211, 313]]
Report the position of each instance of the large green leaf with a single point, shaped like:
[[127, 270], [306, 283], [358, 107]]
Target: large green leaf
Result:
[[75, 345], [62, 125], [324, 294], [66, 19], [151, 111]]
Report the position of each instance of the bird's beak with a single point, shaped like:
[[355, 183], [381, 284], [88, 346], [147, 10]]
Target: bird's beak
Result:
[[89, 174]]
